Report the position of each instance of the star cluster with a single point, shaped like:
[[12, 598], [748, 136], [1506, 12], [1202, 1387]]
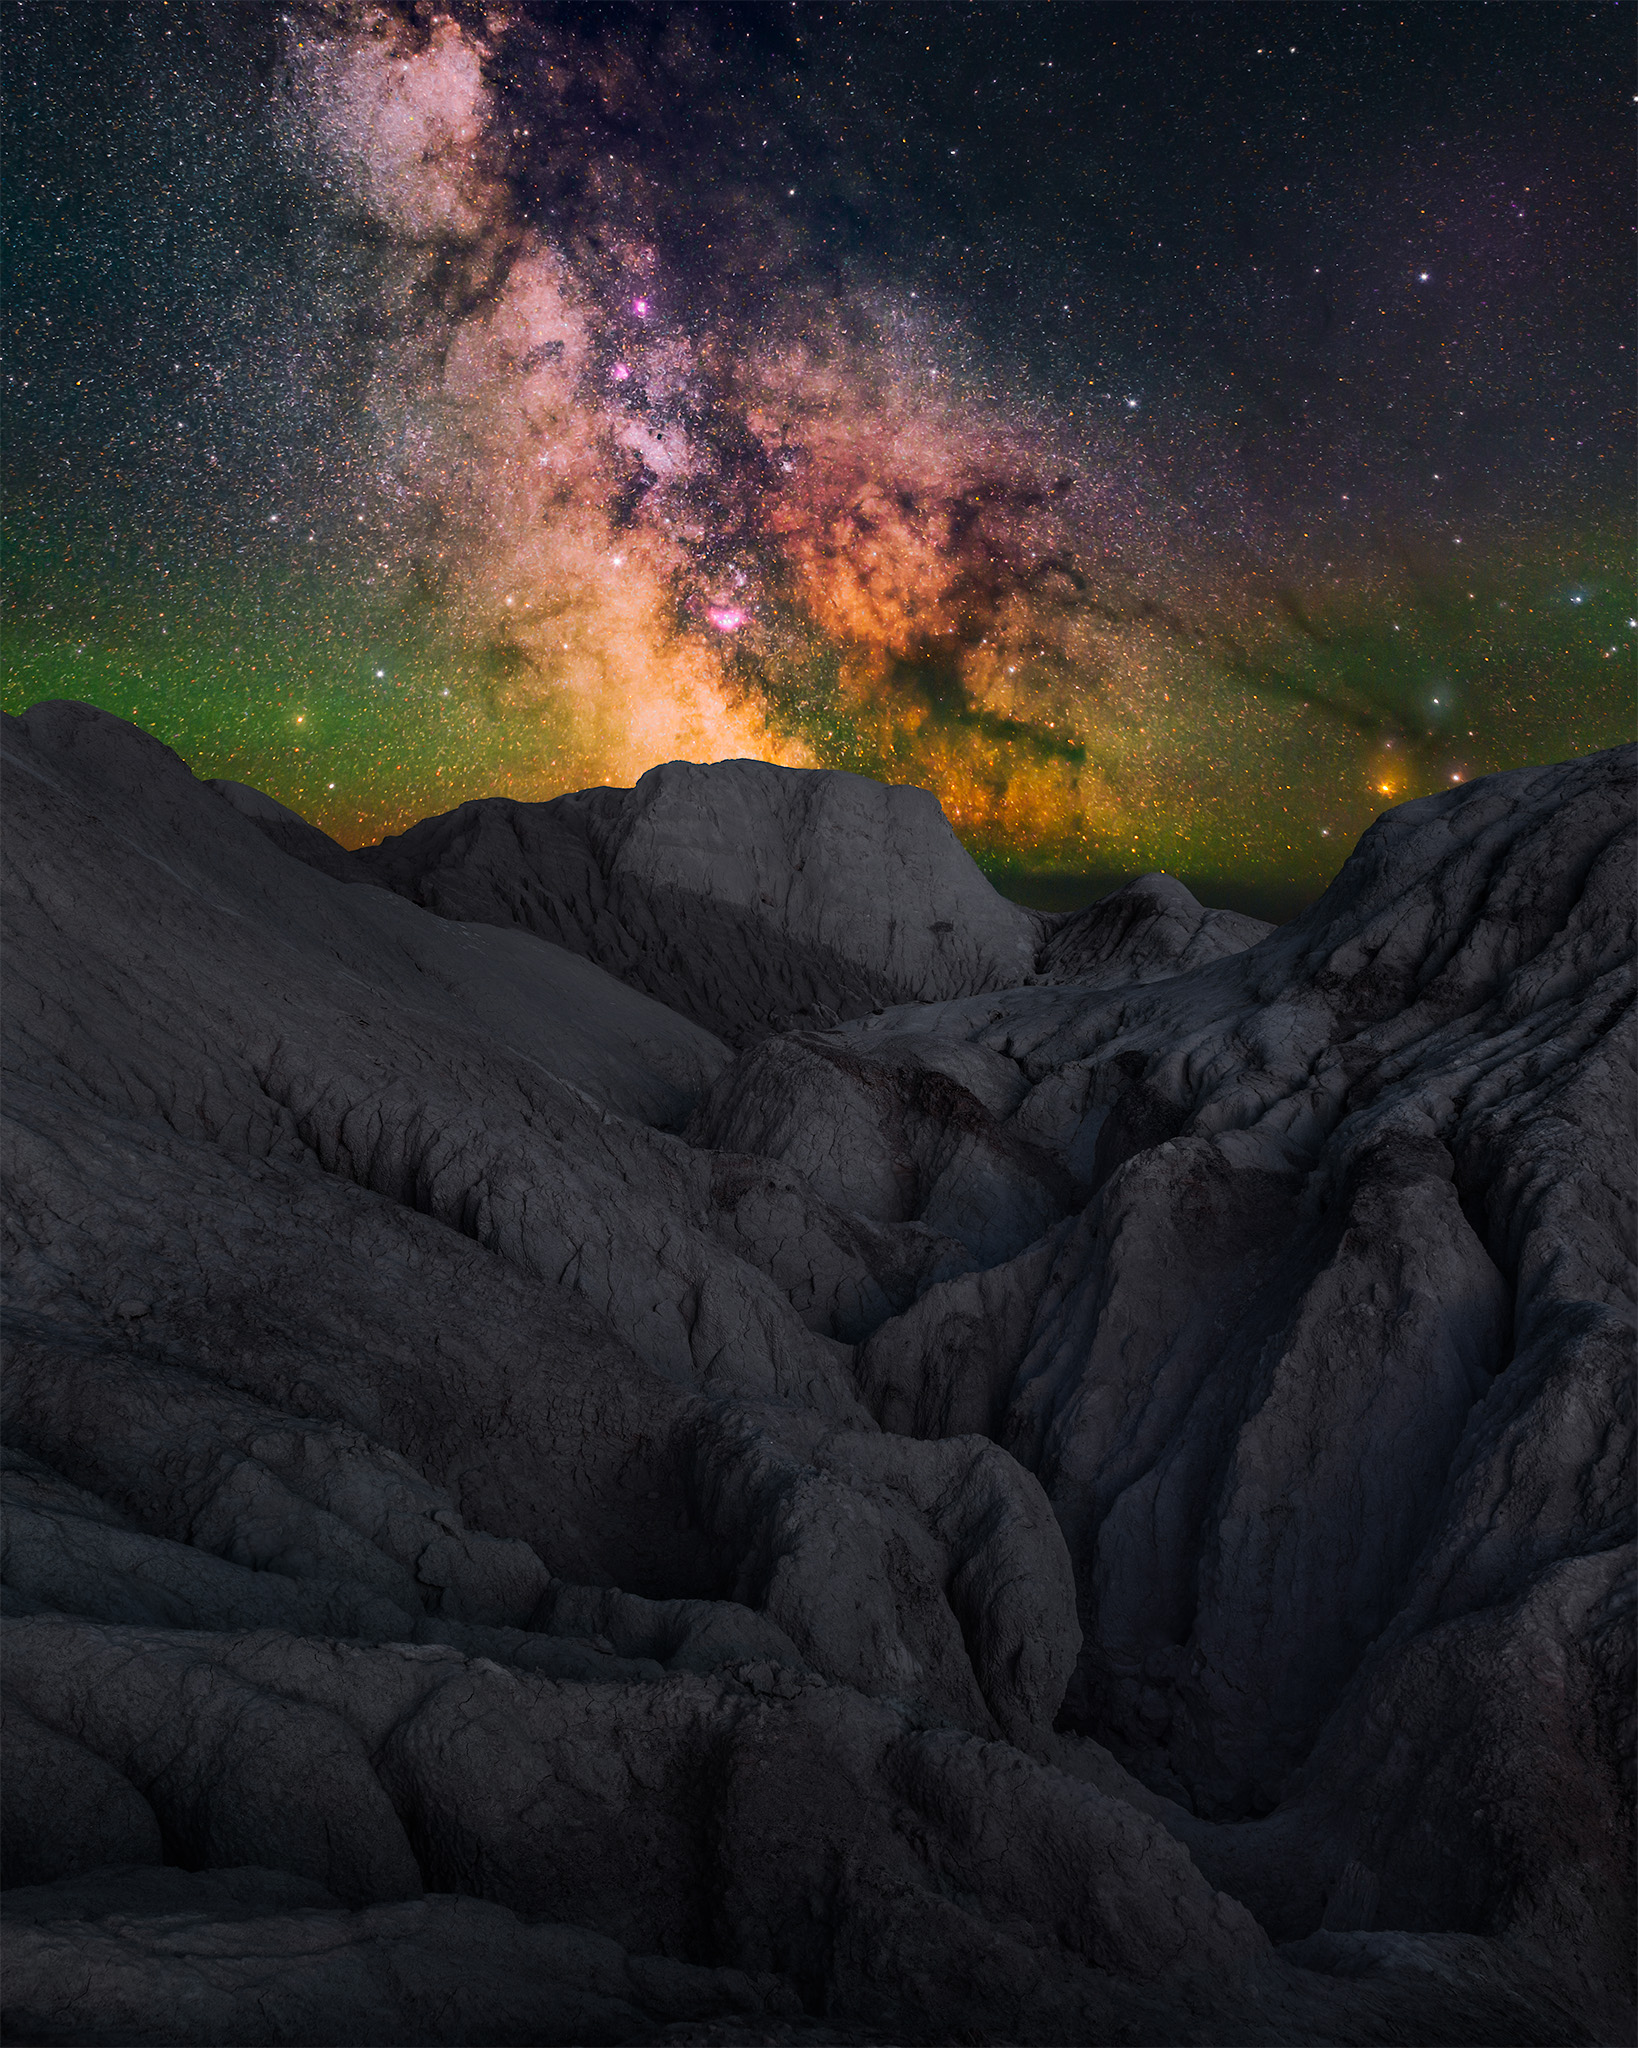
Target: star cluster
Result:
[[1170, 434]]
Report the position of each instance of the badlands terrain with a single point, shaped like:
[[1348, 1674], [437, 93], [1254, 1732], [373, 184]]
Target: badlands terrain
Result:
[[659, 1418]]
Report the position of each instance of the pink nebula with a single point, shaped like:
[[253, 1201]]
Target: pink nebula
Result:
[[640, 308], [727, 618], [620, 373]]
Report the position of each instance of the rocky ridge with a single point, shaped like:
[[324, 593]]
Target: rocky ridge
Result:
[[656, 1415]]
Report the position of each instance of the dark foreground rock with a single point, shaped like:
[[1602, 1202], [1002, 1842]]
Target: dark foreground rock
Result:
[[705, 1431]]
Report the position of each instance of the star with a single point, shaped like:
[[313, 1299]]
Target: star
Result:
[[779, 430]]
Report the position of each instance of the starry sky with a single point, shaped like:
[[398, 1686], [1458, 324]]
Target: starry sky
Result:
[[1172, 433]]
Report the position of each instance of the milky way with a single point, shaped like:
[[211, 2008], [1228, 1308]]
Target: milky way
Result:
[[1169, 436]]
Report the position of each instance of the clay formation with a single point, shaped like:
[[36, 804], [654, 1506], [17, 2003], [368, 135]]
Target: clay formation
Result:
[[658, 1417]]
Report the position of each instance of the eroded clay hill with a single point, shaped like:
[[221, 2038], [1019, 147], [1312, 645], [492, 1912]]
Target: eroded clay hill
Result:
[[657, 1416]]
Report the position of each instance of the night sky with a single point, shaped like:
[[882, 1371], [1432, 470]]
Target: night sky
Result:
[[1172, 433]]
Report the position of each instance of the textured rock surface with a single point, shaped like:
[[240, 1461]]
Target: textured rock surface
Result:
[[1147, 931], [1083, 1493], [745, 896]]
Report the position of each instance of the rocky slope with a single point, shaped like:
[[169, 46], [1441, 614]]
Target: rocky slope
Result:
[[656, 1416]]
